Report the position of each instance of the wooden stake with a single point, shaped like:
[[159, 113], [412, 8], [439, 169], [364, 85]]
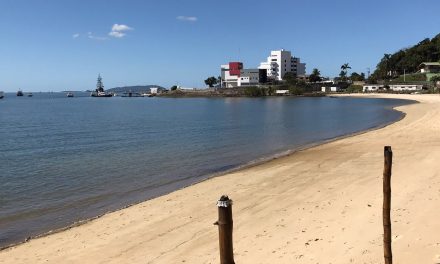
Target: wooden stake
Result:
[[388, 155], [225, 226]]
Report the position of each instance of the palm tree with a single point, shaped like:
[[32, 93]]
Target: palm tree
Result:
[[344, 70], [315, 76], [345, 67]]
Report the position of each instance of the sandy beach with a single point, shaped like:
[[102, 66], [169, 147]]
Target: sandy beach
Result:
[[319, 205]]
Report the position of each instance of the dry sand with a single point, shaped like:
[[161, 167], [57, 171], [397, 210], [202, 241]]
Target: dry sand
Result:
[[320, 205]]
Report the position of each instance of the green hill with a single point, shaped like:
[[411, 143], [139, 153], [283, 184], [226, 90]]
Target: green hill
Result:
[[408, 59]]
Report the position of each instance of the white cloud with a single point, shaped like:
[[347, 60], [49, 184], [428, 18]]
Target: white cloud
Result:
[[118, 30], [91, 36], [76, 35], [187, 18], [117, 27], [116, 34]]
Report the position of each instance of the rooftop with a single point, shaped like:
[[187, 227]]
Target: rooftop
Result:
[[430, 63]]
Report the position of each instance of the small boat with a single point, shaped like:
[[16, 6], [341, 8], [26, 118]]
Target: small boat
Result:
[[2, 95], [69, 94], [30, 95], [19, 93]]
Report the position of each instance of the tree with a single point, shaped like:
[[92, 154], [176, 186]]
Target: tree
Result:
[[173, 88], [343, 75], [211, 81], [357, 77], [315, 76], [290, 78]]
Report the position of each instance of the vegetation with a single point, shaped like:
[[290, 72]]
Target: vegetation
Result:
[[211, 81], [290, 78], [296, 90], [173, 88], [408, 59], [254, 91], [436, 81], [344, 71], [354, 89], [356, 77], [315, 76], [415, 77]]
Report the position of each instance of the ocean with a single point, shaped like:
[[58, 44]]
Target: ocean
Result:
[[68, 159]]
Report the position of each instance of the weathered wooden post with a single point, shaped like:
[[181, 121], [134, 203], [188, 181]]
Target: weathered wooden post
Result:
[[388, 154], [225, 226]]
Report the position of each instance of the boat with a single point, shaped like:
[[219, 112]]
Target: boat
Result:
[[69, 94], [30, 95], [2, 95], [99, 91], [19, 93]]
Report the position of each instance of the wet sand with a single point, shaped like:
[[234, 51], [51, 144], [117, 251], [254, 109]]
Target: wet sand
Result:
[[319, 205]]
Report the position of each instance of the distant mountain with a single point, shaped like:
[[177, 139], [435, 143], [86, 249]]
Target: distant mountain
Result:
[[135, 89]]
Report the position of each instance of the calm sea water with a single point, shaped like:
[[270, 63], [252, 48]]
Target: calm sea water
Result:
[[65, 159]]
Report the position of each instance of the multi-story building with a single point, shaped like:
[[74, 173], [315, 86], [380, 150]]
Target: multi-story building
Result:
[[281, 62], [234, 75]]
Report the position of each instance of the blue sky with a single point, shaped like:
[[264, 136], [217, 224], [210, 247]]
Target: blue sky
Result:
[[51, 45]]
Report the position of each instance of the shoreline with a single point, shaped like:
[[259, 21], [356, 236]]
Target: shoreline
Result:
[[261, 169], [248, 165]]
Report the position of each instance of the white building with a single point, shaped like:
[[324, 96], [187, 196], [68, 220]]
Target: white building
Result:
[[233, 75], [327, 89], [281, 62], [372, 88], [406, 87], [153, 90]]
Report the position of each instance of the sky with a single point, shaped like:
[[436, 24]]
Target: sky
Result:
[[53, 45]]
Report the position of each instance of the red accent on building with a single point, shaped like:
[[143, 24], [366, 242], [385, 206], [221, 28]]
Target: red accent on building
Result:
[[235, 68]]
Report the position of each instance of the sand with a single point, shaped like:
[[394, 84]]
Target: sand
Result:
[[320, 205]]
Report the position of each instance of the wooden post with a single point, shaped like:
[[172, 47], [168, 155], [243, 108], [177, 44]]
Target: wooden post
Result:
[[225, 226], [388, 154]]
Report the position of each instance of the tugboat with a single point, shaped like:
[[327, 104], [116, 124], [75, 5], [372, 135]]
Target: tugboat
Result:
[[99, 92], [2, 95], [19, 93]]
